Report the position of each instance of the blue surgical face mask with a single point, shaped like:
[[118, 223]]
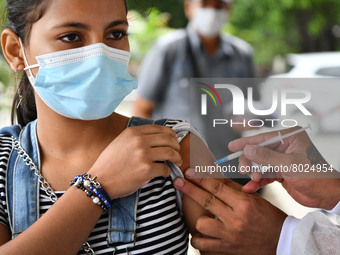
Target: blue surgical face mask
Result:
[[86, 83]]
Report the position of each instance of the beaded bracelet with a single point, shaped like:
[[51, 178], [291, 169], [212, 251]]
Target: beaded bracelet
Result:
[[95, 192]]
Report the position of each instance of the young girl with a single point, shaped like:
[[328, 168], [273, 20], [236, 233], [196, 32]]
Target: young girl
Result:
[[73, 57]]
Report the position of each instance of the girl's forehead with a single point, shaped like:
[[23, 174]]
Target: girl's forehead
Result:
[[86, 10]]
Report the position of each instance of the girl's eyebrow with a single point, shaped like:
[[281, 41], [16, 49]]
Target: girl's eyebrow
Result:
[[117, 23], [87, 27]]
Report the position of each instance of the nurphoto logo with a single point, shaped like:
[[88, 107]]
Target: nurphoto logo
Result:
[[281, 99]]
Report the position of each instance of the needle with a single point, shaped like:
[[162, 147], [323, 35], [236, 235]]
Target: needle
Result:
[[276, 139]]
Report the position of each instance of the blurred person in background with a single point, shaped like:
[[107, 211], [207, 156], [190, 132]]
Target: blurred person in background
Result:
[[198, 51]]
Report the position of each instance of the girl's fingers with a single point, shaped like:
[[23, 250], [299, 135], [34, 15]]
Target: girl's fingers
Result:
[[162, 140], [165, 153], [154, 129]]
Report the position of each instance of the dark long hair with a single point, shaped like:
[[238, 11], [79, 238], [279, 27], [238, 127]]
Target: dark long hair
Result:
[[21, 15]]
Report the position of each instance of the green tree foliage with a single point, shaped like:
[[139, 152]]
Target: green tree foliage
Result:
[[6, 84], [5, 70], [173, 7], [2, 21], [282, 26], [145, 30]]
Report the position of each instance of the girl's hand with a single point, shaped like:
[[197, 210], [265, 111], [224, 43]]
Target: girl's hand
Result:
[[134, 158]]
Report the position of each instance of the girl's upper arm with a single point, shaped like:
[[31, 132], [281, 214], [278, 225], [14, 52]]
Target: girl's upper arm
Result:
[[195, 153], [200, 155], [5, 235]]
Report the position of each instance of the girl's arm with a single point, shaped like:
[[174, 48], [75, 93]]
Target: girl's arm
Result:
[[194, 152], [61, 230], [128, 163]]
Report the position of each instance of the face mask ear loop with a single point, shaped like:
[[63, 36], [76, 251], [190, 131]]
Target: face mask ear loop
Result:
[[25, 59]]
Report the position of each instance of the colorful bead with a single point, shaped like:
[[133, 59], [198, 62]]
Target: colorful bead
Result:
[[96, 200], [93, 190], [87, 183]]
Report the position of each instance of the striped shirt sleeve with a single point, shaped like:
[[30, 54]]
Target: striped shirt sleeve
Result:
[[5, 150]]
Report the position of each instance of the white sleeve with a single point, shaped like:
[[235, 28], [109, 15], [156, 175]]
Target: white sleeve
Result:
[[316, 233], [284, 244], [336, 209]]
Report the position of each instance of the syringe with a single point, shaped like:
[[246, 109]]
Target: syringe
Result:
[[276, 139]]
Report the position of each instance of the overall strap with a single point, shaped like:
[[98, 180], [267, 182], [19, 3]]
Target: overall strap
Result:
[[122, 215], [22, 185]]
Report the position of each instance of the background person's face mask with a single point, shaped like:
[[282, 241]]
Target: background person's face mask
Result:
[[209, 21], [86, 83]]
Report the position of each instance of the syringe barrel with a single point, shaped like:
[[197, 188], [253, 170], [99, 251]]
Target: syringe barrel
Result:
[[235, 155]]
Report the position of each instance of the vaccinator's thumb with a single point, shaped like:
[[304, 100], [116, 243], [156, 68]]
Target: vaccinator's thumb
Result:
[[264, 156]]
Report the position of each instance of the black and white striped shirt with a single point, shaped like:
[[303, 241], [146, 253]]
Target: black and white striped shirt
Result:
[[160, 227]]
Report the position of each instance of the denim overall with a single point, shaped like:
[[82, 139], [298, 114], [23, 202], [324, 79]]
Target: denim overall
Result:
[[22, 186]]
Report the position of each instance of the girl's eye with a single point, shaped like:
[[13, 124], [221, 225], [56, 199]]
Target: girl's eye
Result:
[[70, 38], [117, 35]]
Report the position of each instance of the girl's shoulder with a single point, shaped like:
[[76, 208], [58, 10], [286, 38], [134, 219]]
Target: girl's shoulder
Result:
[[9, 131]]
